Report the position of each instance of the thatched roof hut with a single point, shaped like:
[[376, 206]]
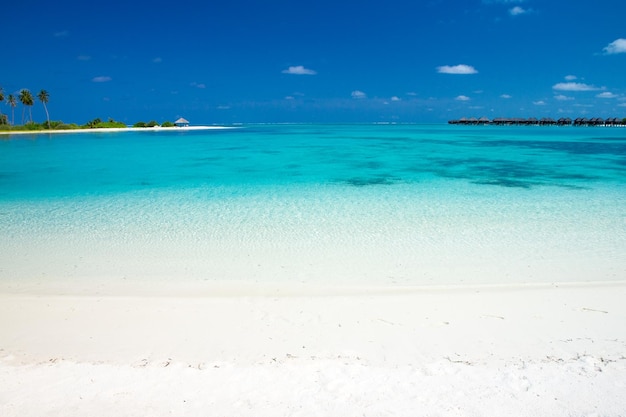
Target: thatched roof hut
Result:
[[544, 121], [182, 122], [547, 121]]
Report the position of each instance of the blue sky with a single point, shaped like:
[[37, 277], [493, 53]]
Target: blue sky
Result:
[[324, 61]]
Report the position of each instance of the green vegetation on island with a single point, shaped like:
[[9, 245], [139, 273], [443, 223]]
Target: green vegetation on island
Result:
[[26, 98], [153, 123]]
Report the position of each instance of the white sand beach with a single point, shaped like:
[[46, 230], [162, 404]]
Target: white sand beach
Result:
[[108, 130], [330, 301], [133, 320], [454, 351]]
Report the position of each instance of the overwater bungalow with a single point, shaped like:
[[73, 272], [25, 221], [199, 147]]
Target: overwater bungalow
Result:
[[461, 121], [547, 121], [544, 121], [505, 121]]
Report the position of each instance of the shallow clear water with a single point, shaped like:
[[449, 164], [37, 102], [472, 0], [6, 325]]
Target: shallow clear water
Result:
[[362, 155], [373, 204]]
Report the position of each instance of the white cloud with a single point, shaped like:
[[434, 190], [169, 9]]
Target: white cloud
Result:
[[570, 77], [571, 86], [462, 98], [358, 94], [290, 98], [157, 60], [299, 70], [622, 105], [607, 94], [506, 96], [539, 103], [562, 97], [516, 11], [395, 98], [456, 69], [618, 46], [198, 85], [101, 79]]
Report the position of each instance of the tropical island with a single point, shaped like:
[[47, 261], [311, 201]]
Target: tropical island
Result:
[[28, 125], [97, 123]]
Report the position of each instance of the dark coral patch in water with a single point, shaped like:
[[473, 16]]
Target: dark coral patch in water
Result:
[[363, 182], [505, 182]]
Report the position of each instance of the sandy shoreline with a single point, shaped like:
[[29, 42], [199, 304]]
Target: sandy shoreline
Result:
[[506, 318], [535, 350], [112, 130], [157, 303]]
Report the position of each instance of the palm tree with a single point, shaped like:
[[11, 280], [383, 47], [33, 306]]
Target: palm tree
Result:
[[1, 101], [12, 103], [26, 98], [43, 96]]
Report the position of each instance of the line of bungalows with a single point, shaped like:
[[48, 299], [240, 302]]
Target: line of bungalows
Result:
[[545, 121]]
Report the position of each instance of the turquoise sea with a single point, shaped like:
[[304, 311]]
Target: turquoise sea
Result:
[[315, 204]]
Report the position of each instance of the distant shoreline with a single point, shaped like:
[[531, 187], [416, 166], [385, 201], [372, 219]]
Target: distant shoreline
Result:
[[112, 130]]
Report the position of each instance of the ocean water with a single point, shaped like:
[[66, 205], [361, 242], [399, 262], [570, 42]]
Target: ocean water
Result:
[[370, 205]]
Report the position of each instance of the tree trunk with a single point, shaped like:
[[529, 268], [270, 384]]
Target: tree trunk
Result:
[[47, 115]]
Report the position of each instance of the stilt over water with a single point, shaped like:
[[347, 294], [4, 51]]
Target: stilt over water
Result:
[[545, 121]]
